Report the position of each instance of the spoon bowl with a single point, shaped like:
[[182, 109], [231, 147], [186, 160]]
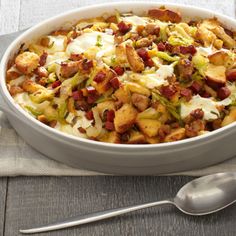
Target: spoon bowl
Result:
[[207, 194], [201, 196]]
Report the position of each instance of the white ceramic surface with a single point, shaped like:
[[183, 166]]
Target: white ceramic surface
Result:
[[163, 158]]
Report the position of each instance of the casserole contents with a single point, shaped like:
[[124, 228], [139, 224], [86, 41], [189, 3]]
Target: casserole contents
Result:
[[130, 79]]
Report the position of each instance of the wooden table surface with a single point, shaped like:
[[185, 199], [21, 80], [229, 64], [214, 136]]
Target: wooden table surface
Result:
[[29, 201]]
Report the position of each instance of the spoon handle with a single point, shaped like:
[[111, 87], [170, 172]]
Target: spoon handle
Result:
[[84, 219]]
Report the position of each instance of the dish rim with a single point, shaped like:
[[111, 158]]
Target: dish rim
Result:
[[68, 137]]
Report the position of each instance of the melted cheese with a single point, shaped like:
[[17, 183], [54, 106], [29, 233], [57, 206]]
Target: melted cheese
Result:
[[135, 20], [58, 43], [206, 104], [57, 57], [89, 39], [205, 51]]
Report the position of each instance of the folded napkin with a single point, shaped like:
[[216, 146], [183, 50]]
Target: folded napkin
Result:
[[18, 158]]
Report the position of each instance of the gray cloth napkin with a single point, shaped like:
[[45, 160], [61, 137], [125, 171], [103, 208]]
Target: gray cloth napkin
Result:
[[18, 158]]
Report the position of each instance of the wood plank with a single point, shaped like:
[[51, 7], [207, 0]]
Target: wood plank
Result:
[[3, 194], [40, 10], [9, 16], [36, 201]]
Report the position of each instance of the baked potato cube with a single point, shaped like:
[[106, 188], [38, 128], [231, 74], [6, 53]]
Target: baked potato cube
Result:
[[137, 88], [135, 61], [230, 118], [149, 127], [175, 135], [30, 86], [165, 15], [106, 105], [104, 85], [152, 140], [140, 101], [120, 53], [123, 95], [110, 137], [136, 138], [214, 26], [69, 69], [216, 74], [11, 75], [15, 89], [26, 62], [125, 118], [219, 58]]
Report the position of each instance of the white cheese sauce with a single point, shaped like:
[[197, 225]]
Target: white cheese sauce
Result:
[[89, 39], [208, 106]]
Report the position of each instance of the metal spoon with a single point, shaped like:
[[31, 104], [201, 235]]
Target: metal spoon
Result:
[[201, 196]]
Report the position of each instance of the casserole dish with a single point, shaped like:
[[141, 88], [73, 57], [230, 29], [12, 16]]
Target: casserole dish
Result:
[[115, 158]]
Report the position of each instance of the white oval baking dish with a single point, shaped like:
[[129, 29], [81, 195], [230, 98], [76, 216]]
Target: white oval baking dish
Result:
[[188, 154]]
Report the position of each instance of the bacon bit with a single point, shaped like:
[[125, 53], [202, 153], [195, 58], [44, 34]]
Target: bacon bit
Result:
[[109, 125], [223, 93], [43, 59], [82, 105], [231, 75], [92, 98], [163, 131], [89, 115], [115, 83], [119, 70], [143, 53], [110, 115], [189, 49], [206, 94], [87, 64], [99, 77], [123, 27], [161, 47], [76, 56], [185, 92], [196, 87], [149, 63], [56, 84], [77, 95], [82, 130], [168, 47], [168, 91], [91, 90], [197, 113]]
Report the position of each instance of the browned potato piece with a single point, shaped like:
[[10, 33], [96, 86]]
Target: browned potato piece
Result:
[[26, 62], [165, 15], [12, 75], [120, 53], [30, 86], [103, 86], [110, 137], [125, 118], [218, 58], [69, 69], [135, 62], [149, 127], [214, 26], [185, 68], [175, 135], [216, 74], [140, 101], [123, 95], [15, 89], [152, 140], [136, 138], [230, 118], [107, 105]]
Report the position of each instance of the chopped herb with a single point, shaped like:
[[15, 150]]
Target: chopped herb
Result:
[[99, 41]]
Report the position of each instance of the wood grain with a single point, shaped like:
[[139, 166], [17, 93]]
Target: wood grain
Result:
[[36, 201], [3, 195]]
